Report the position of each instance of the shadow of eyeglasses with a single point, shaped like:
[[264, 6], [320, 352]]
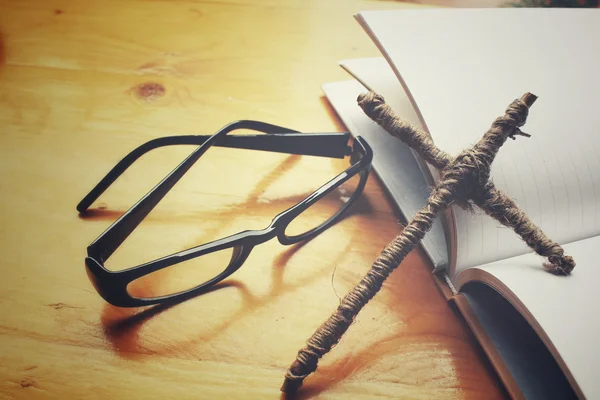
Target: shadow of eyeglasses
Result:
[[122, 326]]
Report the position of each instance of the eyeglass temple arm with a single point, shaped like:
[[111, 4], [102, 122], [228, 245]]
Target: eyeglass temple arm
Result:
[[333, 145], [105, 245]]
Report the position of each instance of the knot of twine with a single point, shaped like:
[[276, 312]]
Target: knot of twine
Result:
[[472, 167], [464, 179]]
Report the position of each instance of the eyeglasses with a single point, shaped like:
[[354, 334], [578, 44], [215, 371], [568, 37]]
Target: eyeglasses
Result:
[[226, 255]]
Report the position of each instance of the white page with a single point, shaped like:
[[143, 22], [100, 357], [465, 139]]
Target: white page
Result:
[[392, 160], [463, 67], [564, 307], [376, 75]]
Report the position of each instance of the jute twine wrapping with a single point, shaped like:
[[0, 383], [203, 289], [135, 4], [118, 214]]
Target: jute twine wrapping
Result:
[[465, 179]]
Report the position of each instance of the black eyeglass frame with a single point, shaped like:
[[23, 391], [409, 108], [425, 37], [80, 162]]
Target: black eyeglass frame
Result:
[[112, 285]]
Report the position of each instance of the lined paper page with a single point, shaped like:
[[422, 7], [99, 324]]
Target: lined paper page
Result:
[[555, 183], [463, 67]]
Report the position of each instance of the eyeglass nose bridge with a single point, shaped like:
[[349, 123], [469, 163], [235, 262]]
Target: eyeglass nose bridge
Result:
[[282, 221]]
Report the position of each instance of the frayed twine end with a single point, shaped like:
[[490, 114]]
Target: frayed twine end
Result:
[[560, 265]]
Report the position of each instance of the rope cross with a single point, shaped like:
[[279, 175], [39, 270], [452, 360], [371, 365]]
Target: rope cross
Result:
[[464, 180]]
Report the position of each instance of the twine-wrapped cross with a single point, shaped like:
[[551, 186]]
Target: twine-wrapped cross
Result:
[[465, 180]]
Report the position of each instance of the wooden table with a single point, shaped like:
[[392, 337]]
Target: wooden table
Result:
[[83, 83]]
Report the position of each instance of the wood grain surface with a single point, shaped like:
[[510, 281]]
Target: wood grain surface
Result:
[[84, 82]]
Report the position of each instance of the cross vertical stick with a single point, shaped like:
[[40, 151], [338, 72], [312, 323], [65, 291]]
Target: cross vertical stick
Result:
[[464, 179]]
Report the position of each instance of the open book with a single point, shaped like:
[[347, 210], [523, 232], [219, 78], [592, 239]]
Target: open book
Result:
[[452, 72]]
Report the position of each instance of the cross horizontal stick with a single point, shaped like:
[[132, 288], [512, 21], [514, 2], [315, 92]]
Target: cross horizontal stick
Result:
[[464, 179]]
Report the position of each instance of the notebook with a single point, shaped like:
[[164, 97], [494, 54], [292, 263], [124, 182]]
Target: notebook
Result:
[[452, 72]]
